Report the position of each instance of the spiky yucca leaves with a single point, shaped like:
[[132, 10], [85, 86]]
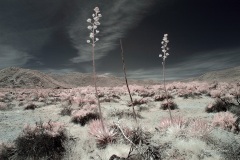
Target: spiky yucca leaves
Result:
[[102, 136]]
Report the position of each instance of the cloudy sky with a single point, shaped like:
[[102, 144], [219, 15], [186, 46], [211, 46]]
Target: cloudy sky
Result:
[[50, 36]]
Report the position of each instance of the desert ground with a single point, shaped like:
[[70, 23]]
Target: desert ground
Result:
[[204, 122]]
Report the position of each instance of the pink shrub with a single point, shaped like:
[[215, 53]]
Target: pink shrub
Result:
[[84, 116], [3, 106], [103, 137], [225, 120], [50, 128], [42, 140], [215, 93], [168, 104]]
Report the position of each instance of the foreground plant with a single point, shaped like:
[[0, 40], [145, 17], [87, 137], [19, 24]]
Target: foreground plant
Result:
[[93, 28], [164, 56], [44, 139]]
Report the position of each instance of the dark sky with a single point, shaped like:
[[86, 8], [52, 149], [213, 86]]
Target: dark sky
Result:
[[50, 36]]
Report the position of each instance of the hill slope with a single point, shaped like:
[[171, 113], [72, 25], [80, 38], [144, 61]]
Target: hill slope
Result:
[[226, 75], [25, 78]]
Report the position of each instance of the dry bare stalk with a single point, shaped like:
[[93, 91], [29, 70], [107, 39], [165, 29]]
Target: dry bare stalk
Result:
[[125, 75], [135, 146]]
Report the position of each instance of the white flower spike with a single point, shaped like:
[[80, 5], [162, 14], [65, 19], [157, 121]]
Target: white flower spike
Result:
[[94, 23]]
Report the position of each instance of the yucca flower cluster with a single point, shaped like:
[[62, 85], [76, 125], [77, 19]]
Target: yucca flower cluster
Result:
[[94, 23], [164, 47]]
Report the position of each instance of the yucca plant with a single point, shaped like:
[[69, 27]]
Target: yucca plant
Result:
[[165, 54], [94, 23]]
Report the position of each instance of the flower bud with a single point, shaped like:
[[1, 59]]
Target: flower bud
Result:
[[89, 20], [89, 27], [88, 41]]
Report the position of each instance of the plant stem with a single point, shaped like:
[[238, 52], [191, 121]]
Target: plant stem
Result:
[[125, 75], [166, 92], [95, 85]]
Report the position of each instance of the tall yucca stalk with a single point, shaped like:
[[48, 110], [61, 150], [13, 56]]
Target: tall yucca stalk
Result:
[[165, 54], [94, 23]]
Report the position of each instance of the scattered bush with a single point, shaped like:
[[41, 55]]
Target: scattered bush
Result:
[[3, 106], [137, 102], [42, 140], [6, 151], [161, 97], [82, 117], [172, 105], [217, 106], [225, 120], [215, 93], [66, 111], [31, 106], [103, 137]]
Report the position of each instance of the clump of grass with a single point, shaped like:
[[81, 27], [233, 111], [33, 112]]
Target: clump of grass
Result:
[[82, 117], [169, 104], [123, 113], [42, 140]]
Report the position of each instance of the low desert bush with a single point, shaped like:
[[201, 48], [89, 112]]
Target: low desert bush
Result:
[[6, 151], [66, 111], [225, 120], [217, 106], [102, 136], [3, 106], [215, 93], [168, 104], [44, 139], [161, 97], [82, 117], [137, 102], [31, 106]]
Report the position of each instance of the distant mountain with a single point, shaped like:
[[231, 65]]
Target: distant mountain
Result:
[[86, 79], [226, 75], [14, 77]]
